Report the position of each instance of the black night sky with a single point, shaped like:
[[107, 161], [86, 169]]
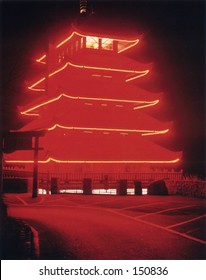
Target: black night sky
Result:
[[174, 41]]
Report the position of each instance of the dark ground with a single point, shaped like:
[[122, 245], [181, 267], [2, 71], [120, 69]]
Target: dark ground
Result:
[[104, 227]]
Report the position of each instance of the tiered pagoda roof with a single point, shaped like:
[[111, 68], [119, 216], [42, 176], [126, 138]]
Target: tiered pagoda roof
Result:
[[91, 106]]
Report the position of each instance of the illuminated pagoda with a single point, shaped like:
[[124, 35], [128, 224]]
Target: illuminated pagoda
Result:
[[96, 117]]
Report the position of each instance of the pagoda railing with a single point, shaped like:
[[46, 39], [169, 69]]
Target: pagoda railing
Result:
[[177, 183], [151, 176]]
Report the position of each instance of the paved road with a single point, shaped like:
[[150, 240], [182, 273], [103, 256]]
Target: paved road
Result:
[[114, 227]]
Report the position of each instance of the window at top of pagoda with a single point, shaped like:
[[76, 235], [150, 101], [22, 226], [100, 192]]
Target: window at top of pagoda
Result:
[[99, 43], [77, 41], [107, 44], [92, 42]]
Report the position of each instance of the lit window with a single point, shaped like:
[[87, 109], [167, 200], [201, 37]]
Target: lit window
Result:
[[92, 42], [107, 44]]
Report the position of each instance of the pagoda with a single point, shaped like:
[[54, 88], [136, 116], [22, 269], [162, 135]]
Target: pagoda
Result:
[[96, 116]]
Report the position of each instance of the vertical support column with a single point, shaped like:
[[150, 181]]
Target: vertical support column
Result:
[[54, 185], [100, 43], [122, 187], [137, 188], [35, 170], [87, 186], [48, 183]]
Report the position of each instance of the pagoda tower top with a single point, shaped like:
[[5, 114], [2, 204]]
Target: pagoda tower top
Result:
[[90, 40], [83, 6]]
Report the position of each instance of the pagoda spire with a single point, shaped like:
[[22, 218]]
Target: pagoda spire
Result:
[[83, 6]]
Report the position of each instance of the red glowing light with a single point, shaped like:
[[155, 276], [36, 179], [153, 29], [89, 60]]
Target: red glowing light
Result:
[[147, 104], [143, 132], [136, 74], [35, 84], [134, 43], [50, 159], [41, 58], [67, 39], [130, 43], [155, 132], [142, 104], [91, 113]]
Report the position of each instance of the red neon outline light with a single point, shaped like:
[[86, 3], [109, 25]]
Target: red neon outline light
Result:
[[151, 103], [41, 58], [36, 83], [144, 132], [140, 73], [67, 39], [155, 132], [135, 42], [50, 159], [147, 103], [126, 48]]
